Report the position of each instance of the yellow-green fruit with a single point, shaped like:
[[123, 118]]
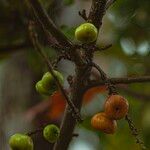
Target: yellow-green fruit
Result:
[[51, 133], [86, 33], [48, 81], [40, 89], [20, 142]]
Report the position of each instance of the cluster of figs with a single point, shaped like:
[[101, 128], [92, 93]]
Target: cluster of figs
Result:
[[115, 108]]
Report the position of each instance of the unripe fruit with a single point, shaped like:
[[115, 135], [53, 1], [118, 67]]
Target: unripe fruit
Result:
[[104, 124], [48, 81], [47, 85], [116, 107], [20, 142], [51, 133], [40, 89], [86, 33]]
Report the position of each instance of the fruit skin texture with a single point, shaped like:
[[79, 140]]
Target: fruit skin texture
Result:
[[20, 142], [116, 107], [47, 85], [51, 133], [48, 81], [40, 89], [86, 33], [101, 122]]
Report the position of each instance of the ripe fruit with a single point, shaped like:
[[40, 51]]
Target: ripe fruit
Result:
[[20, 142], [86, 33], [51, 133], [116, 107], [48, 81], [39, 87], [102, 123]]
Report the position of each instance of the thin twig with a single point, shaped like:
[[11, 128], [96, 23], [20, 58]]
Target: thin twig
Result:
[[126, 89], [103, 48], [45, 58], [83, 14], [59, 58], [102, 73], [35, 132], [50, 29], [127, 80], [135, 132], [109, 3], [96, 14], [111, 87], [47, 24], [40, 130]]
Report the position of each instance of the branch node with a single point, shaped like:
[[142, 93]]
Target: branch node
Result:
[[70, 80], [59, 58], [111, 87]]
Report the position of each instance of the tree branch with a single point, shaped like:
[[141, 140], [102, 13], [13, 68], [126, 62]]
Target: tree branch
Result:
[[47, 24], [128, 80], [110, 86], [109, 3], [135, 132], [50, 29], [37, 47], [124, 88], [68, 123], [83, 14], [97, 12]]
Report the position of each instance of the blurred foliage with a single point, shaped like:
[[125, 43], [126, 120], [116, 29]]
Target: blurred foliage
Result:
[[68, 31], [68, 2], [126, 26]]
